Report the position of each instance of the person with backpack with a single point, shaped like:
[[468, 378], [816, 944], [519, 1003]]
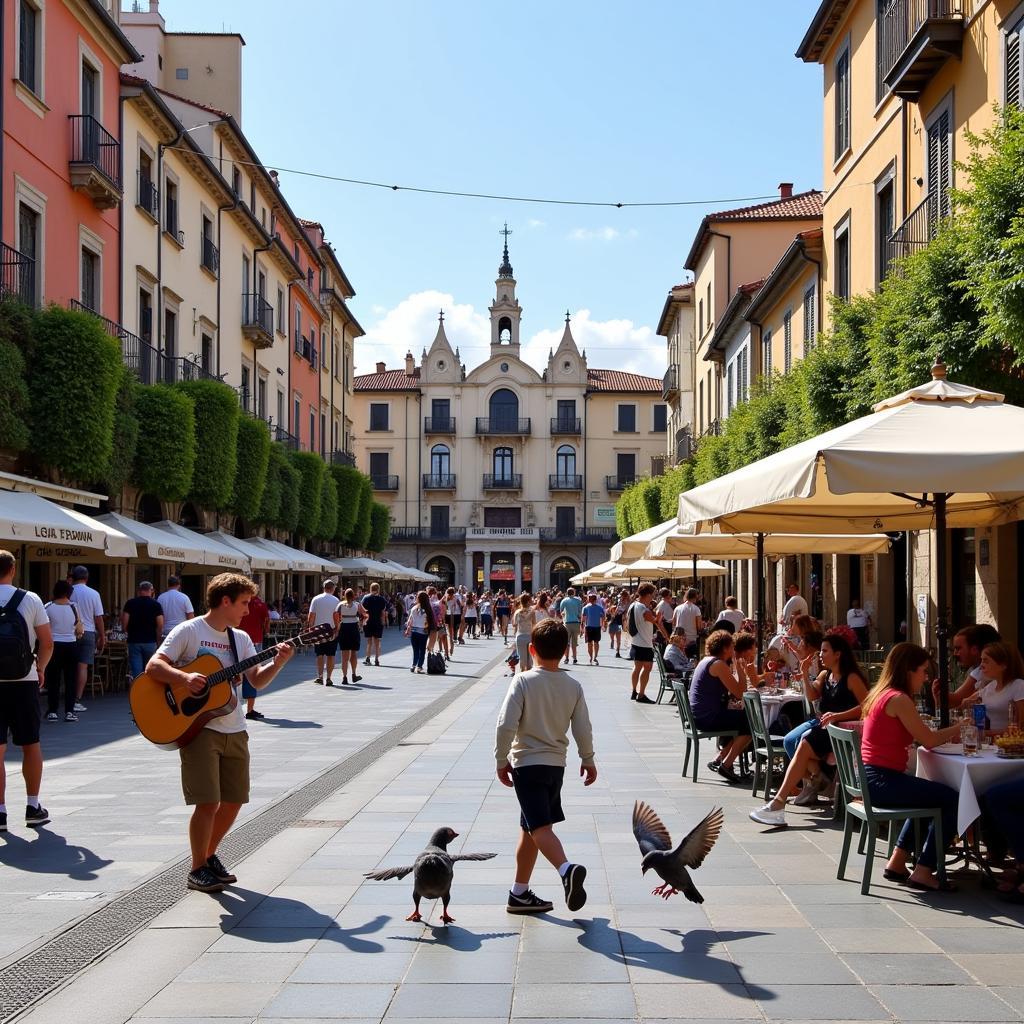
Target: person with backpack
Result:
[[24, 625], [642, 622]]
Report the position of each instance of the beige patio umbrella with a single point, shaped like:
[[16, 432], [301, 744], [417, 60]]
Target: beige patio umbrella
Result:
[[935, 456], [595, 574], [631, 548], [745, 545], [664, 568]]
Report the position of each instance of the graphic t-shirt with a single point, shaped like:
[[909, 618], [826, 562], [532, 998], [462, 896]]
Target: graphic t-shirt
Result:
[[32, 611], [375, 606], [196, 636], [142, 614]]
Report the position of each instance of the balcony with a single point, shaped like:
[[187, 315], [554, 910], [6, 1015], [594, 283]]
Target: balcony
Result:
[[919, 228], [17, 276], [341, 458], [148, 199], [915, 39], [580, 535], [503, 533], [565, 425], [439, 481], [288, 439], [384, 481], [432, 534], [560, 482], [95, 165], [210, 260], [439, 425], [670, 384], [619, 483], [502, 426], [257, 320], [504, 482], [305, 348], [684, 447], [713, 429]]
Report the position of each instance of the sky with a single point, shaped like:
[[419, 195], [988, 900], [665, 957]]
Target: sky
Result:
[[656, 101]]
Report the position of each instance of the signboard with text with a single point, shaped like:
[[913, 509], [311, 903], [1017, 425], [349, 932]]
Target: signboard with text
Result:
[[604, 515]]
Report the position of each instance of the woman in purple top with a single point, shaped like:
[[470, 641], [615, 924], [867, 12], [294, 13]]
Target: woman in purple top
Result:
[[711, 688]]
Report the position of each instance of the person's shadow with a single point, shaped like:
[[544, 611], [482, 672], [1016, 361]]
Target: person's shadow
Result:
[[290, 723], [459, 940], [50, 854]]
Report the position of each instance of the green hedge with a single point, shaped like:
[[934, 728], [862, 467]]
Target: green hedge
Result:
[[15, 339], [291, 484], [328, 525], [252, 462], [349, 482], [360, 535], [166, 453], [270, 500], [73, 377], [126, 435], [380, 526], [311, 470], [216, 421]]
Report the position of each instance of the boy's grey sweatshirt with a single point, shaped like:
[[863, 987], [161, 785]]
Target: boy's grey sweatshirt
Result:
[[536, 715]]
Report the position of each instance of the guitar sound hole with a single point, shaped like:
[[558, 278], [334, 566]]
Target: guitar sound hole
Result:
[[192, 705]]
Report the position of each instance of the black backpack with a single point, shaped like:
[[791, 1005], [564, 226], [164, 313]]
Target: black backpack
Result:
[[633, 630], [16, 654], [435, 664]]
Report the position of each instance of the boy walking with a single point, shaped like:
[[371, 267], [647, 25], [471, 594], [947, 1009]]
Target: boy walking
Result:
[[530, 748]]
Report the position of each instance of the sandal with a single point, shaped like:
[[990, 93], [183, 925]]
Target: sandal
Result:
[[895, 876], [941, 887]]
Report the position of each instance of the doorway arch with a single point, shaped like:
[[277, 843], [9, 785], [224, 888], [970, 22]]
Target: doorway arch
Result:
[[563, 569], [442, 567]]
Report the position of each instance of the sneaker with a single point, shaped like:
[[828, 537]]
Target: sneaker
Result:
[[566, 659], [51, 716], [330, 682], [729, 774], [319, 681], [355, 678], [632, 696], [366, 661], [344, 681], [204, 880], [808, 796], [79, 708], [253, 716], [70, 716], [617, 655], [644, 699], [574, 661], [528, 903], [713, 766], [3, 821], [595, 661], [217, 869], [36, 816], [572, 883], [376, 663], [766, 816]]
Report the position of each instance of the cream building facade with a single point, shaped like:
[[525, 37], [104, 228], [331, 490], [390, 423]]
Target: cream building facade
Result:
[[505, 476], [676, 326]]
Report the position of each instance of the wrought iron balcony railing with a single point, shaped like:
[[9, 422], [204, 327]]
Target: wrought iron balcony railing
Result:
[[211, 262], [148, 197], [562, 482], [428, 533], [439, 481], [17, 275], [95, 165], [384, 481], [566, 425], [503, 425], [619, 483], [439, 425], [503, 482], [915, 39]]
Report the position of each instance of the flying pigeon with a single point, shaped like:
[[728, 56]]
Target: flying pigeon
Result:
[[670, 865], [432, 872]]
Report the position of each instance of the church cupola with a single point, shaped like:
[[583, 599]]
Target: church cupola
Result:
[[505, 310]]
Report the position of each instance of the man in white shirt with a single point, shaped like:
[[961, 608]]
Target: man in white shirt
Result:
[[686, 619], [645, 622], [665, 608], [176, 604], [92, 641], [794, 606], [19, 694], [323, 609], [860, 622]]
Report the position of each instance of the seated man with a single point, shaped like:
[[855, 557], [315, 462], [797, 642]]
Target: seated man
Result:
[[676, 661]]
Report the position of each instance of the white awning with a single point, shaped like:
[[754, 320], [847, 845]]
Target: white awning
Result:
[[366, 567], [260, 558], [168, 542], [32, 520], [298, 560]]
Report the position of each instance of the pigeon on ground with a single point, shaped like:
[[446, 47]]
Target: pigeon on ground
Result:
[[670, 865], [432, 872]]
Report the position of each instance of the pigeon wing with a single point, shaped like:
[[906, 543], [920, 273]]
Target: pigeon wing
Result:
[[472, 856], [697, 845], [649, 829], [384, 874]]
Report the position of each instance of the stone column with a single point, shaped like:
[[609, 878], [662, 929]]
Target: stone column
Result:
[[519, 574], [469, 582], [487, 570], [536, 585]]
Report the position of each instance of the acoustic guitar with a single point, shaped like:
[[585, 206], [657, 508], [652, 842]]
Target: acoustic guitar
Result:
[[172, 716]]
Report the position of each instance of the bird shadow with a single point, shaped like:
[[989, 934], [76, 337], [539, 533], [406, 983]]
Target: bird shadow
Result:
[[50, 854], [459, 940], [370, 686], [291, 723]]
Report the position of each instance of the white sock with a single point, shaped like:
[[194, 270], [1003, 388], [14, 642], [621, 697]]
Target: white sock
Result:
[[33, 801], [519, 888], [563, 868]]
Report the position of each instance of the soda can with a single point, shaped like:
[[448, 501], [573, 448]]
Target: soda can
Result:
[[979, 717]]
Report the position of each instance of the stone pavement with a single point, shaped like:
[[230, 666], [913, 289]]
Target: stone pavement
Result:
[[303, 937], [116, 799]]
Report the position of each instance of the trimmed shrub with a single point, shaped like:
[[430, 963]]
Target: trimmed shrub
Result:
[[380, 526], [166, 452], [251, 467], [291, 484], [328, 525], [360, 535], [73, 377], [311, 469], [126, 435], [217, 415], [270, 500], [349, 481], [15, 341]]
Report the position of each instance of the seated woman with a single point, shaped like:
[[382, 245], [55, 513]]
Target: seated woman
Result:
[[891, 725], [676, 661], [1003, 685], [840, 690], [713, 685]]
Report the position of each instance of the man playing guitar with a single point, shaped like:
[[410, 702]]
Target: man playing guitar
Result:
[[215, 765]]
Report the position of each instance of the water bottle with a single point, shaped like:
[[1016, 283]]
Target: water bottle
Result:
[[778, 680], [980, 721]]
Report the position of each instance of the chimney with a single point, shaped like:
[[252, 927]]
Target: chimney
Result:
[[380, 367], [274, 177], [410, 364], [786, 190]]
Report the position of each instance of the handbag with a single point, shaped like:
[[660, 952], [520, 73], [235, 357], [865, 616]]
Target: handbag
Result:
[[79, 624]]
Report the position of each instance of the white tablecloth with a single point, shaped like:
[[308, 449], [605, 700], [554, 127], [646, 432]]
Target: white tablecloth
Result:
[[969, 776], [773, 704]]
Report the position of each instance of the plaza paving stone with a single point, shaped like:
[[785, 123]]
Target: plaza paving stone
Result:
[[304, 937]]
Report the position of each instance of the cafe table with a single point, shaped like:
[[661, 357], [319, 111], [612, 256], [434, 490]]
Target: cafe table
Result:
[[969, 776], [772, 702]]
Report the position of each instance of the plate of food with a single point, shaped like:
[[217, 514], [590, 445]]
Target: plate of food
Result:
[[948, 748], [1010, 746]]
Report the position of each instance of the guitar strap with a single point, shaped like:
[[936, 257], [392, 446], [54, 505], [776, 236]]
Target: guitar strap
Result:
[[234, 651]]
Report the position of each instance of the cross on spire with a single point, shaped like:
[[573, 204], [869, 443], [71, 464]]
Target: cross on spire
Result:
[[567, 316], [441, 316], [505, 270]]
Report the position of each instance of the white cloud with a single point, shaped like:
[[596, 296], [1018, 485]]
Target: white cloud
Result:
[[411, 326], [535, 224], [609, 344], [604, 234]]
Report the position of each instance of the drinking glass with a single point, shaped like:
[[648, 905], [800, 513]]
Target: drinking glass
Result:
[[969, 737]]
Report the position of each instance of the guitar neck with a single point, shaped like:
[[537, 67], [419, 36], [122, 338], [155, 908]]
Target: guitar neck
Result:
[[232, 671]]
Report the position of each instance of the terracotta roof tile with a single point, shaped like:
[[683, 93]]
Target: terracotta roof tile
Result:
[[619, 380], [389, 380]]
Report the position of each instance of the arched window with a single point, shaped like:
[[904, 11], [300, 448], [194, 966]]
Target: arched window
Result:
[[440, 460], [150, 510], [502, 464], [562, 570], [565, 461], [504, 410], [443, 568], [504, 331]]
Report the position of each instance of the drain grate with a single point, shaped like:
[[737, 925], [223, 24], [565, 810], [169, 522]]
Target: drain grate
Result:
[[50, 965]]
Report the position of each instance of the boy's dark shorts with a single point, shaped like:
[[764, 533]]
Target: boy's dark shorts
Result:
[[642, 653], [539, 792]]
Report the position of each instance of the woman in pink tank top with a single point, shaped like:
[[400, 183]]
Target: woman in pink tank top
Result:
[[891, 725]]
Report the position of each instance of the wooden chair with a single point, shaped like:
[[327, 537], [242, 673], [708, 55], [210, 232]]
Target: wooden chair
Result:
[[857, 800], [764, 746], [693, 733]]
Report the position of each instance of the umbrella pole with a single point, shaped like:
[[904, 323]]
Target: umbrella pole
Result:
[[695, 572], [760, 592], [941, 623]]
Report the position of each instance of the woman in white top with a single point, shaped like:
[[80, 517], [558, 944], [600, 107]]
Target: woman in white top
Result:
[[63, 666], [417, 629], [353, 615], [471, 613], [542, 609], [1002, 685], [731, 613], [523, 622]]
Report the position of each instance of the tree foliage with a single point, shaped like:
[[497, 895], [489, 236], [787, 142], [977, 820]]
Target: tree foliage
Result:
[[291, 485], [251, 468], [349, 483], [380, 526], [270, 500], [126, 435], [360, 535], [311, 469], [15, 340], [216, 426], [166, 452], [328, 525]]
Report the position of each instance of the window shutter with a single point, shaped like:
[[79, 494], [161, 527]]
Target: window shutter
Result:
[[787, 337], [810, 319], [1013, 75]]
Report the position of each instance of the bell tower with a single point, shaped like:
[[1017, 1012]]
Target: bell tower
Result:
[[505, 310]]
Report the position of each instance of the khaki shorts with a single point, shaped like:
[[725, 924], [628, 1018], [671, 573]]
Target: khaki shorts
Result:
[[215, 768], [573, 629]]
